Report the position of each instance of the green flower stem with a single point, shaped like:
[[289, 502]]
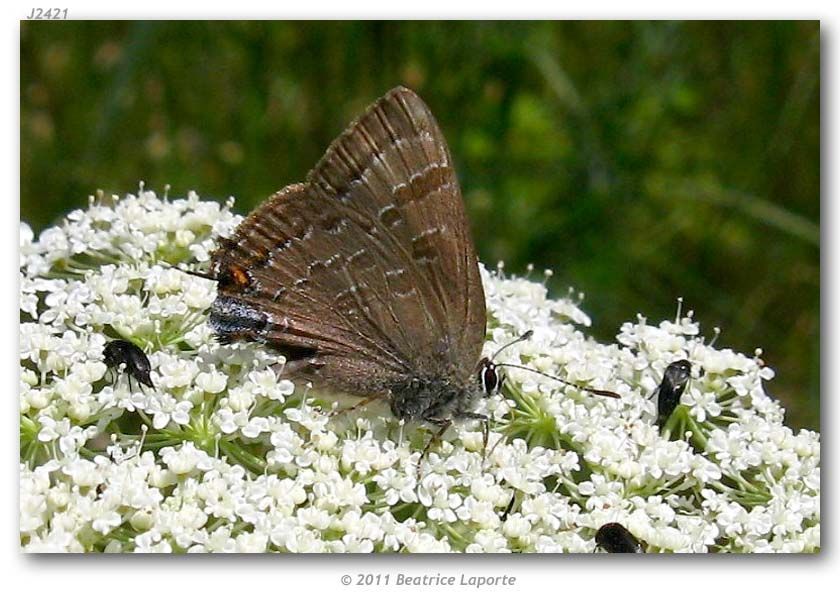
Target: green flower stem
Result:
[[454, 534], [28, 426], [144, 417], [249, 461], [89, 454], [161, 444], [699, 437]]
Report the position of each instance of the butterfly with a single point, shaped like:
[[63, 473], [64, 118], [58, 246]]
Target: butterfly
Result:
[[365, 275]]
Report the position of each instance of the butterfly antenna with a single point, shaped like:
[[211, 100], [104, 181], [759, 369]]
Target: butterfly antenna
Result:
[[188, 272], [525, 336], [606, 393]]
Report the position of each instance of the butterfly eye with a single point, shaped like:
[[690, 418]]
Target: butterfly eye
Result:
[[490, 380]]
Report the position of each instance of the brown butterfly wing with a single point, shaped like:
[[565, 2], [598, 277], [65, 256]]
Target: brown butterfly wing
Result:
[[367, 271]]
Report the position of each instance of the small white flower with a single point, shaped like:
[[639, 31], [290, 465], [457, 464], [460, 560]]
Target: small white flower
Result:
[[211, 382], [488, 540]]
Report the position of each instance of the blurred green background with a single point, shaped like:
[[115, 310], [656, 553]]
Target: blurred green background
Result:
[[641, 161]]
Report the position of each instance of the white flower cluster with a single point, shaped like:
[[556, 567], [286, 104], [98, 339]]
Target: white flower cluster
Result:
[[224, 455]]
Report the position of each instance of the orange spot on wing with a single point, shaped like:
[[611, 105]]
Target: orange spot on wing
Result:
[[239, 275]]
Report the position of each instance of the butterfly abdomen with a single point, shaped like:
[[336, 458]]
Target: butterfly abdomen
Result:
[[432, 398]]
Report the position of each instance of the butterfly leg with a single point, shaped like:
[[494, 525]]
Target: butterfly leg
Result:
[[359, 404], [444, 425]]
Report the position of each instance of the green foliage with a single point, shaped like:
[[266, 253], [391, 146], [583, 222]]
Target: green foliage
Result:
[[641, 161]]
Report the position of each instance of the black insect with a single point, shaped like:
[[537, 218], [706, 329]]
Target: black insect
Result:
[[509, 508], [614, 538], [122, 352], [365, 275], [674, 382]]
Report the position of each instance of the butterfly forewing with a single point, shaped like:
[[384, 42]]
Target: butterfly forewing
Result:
[[393, 166], [279, 280], [367, 270]]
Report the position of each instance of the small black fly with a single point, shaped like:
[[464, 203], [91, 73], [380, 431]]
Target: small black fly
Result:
[[614, 538], [122, 352], [674, 382], [509, 508]]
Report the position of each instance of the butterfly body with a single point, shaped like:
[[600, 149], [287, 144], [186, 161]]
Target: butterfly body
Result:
[[431, 398], [365, 276]]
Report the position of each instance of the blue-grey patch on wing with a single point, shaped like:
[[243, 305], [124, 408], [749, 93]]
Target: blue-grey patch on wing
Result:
[[232, 318]]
